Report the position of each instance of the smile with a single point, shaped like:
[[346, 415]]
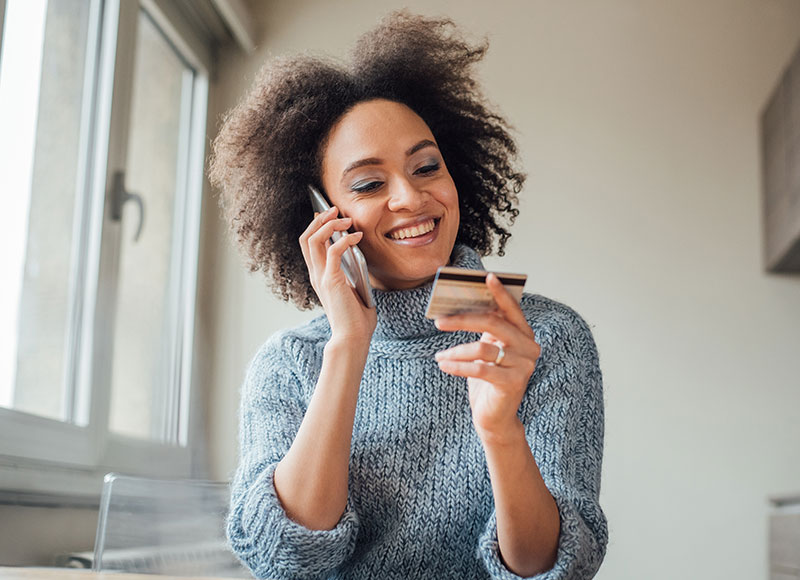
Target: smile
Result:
[[414, 231]]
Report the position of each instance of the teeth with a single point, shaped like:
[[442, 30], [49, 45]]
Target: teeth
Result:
[[414, 231]]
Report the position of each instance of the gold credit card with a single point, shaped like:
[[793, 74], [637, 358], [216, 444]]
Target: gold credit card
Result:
[[458, 290]]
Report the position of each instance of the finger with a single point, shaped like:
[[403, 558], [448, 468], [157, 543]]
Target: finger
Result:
[[472, 351], [498, 326], [337, 249], [326, 230], [313, 226], [316, 223], [489, 353], [507, 304], [319, 241], [478, 370]]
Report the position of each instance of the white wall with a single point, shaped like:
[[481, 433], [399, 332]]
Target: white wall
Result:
[[638, 125], [37, 536]]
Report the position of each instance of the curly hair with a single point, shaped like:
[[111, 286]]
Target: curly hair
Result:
[[271, 144]]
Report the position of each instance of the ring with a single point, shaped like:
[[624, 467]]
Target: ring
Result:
[[501, 354]]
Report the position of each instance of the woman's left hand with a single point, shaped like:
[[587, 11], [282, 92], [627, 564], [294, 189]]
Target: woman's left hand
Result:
[[496, 387]]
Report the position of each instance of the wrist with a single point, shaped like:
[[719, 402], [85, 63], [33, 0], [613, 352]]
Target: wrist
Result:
[[503, 435], [357, 336], [347, 346]]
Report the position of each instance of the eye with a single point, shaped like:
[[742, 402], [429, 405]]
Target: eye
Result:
[[428, 168], [366, 186]]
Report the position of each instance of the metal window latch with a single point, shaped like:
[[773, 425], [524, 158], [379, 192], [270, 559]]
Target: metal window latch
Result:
[[118, 198]]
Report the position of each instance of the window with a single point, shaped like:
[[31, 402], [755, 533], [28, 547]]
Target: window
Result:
[[102, 110]]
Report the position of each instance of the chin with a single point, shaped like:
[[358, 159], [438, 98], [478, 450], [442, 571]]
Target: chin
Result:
[[401, 278], [408, 263]]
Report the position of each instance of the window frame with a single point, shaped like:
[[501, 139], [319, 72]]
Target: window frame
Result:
[[2, 22], [55, 458]]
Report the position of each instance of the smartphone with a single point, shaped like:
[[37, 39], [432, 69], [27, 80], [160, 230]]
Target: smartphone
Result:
[[353, 262], [457, 290]]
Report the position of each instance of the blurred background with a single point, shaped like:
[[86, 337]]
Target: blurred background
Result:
[[639, 127]]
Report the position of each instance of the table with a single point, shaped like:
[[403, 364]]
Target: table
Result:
[[12, 573]]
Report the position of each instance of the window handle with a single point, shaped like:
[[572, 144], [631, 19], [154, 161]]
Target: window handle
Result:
[[118, 198]]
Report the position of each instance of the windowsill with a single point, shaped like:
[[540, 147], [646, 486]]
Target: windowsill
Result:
[[41, 484]]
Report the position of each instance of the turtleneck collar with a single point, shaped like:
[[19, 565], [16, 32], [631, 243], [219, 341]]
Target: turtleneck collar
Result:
[[401, 313]]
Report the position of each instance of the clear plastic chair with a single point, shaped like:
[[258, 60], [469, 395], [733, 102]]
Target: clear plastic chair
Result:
[[174, 527]]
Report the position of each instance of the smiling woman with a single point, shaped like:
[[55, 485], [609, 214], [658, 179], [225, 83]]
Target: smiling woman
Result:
[[270, 146], [375, 443], [398, 191]]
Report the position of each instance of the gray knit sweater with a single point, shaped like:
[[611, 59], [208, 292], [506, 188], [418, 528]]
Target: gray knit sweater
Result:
[[420, 499]]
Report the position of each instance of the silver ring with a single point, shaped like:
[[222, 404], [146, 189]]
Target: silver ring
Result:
[[501, 354]]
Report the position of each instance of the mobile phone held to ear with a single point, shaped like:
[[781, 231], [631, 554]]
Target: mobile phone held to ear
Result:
[[353, 262]]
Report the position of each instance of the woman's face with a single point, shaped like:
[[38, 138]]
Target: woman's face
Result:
[[381, 166]]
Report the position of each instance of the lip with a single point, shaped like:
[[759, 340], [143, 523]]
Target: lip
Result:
[[419, 240]]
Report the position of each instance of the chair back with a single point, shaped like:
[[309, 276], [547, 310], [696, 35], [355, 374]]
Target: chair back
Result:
[[158, 526]]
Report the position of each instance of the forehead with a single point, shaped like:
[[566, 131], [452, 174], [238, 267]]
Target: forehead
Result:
[[376, 128]]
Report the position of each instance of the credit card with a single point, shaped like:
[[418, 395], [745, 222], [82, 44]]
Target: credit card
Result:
[[458, 290]]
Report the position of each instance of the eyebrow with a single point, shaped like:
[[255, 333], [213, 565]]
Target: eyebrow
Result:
[[421, 145], [375, 161]]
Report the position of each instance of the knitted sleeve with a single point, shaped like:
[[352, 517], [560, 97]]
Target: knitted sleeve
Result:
[[259, 532], [563, 416]]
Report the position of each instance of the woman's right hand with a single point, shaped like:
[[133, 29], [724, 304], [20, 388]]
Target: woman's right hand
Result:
[[347, 315]]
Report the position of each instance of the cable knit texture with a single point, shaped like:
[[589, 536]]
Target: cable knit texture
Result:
[[420, 499]]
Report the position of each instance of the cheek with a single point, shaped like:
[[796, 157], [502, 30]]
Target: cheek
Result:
[[450, 200], [365, 221], [347, 209], [448, 194]]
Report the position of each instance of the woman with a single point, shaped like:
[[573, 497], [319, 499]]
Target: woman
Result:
[[375, 443]]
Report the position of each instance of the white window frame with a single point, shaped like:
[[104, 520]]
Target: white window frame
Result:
[[57, 458], [2, 22]]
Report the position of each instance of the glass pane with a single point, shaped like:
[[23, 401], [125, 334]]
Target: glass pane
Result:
[[41, 93], [143, 362]]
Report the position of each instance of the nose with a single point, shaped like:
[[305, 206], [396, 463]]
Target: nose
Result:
[[405, 196]]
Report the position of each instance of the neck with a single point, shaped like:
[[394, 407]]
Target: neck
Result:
[[401, 313]]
